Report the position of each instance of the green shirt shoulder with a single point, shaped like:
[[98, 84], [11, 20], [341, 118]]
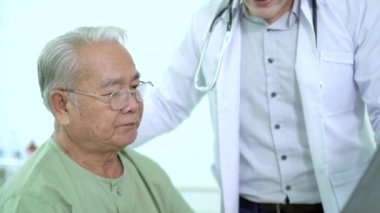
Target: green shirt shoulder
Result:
[[51, 182]]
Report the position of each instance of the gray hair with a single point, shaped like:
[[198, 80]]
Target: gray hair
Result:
[[59, 65]]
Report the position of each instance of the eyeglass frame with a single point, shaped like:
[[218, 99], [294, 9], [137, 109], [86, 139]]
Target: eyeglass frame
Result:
[[107, 98]]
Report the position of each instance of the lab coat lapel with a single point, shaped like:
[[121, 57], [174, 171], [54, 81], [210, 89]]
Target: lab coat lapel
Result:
[[310, 86], [228, 105]]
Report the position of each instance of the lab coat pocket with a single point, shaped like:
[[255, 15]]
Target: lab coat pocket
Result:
[[337, 82], [344, 183]]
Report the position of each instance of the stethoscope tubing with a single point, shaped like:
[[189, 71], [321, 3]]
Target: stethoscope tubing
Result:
[[226, 39]]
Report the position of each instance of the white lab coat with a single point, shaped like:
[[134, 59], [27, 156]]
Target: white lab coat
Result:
[[336, 82]]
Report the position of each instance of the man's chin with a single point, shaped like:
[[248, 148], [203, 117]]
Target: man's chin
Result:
[[126, 139]]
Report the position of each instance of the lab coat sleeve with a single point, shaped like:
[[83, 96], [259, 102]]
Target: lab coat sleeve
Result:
[[173, 100], [367, 63]]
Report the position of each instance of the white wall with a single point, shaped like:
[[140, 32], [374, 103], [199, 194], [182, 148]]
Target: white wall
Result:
[[154, 28]]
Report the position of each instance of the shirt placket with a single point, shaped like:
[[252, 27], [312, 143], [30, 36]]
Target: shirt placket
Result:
[[275, 105]]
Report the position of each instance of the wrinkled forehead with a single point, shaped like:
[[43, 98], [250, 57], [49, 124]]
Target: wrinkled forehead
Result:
[[110, 82], [107, 64]]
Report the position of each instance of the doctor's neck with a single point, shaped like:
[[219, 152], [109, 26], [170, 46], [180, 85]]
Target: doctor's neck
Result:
[[269, 10]]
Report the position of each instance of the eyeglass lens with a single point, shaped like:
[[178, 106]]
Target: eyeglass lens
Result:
[[120, 99]]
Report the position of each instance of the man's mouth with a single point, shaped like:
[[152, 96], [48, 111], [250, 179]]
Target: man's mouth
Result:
[[262, 2]]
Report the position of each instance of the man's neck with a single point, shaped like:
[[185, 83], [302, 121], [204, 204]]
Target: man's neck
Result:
[[104, 164]]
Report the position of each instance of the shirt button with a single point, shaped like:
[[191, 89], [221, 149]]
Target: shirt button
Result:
[[270, 60], [277, 126], [284, 157], [273, 94], [118, 191], [288, 188]]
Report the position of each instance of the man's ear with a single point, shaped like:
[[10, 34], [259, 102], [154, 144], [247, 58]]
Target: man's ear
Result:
[[59, 107]]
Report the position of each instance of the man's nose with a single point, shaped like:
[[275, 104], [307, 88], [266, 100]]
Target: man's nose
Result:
[[132, 103]]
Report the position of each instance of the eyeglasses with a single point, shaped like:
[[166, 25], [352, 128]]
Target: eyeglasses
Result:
[[120, 99]]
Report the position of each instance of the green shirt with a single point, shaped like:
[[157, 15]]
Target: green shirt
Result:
[[50, 182]]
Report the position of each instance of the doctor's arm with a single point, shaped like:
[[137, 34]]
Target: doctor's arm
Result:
[[367, 63], [174, 99]]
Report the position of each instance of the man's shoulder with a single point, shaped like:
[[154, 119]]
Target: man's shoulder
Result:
[[148, 167], [140, 159], [33, 176]]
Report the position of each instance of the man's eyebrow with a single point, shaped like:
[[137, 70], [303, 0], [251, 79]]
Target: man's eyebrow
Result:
[[111, 82], [137, 75]]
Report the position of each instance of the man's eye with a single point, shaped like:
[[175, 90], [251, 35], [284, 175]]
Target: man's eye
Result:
[[134, 87], [116, 93]]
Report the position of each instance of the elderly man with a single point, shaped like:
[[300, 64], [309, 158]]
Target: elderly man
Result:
[[89, 82]]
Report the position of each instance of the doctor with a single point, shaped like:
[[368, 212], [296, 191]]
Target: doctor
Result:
[[291, 83]]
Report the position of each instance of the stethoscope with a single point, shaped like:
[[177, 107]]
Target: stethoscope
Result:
[[228, 10]]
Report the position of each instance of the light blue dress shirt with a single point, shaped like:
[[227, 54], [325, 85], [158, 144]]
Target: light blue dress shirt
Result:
[[275, 158]]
